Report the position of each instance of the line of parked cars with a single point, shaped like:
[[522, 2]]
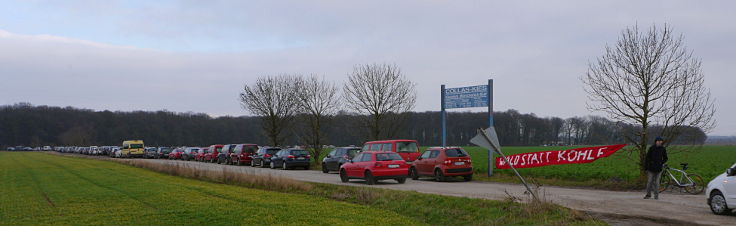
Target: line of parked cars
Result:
[[25, 148], [374, 161]]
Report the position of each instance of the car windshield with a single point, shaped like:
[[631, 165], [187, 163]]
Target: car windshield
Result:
[[218, 149], [299, 152], [136, 146], [456, 153], [406, 147], [353, 152], [165, 150], [387, 157]]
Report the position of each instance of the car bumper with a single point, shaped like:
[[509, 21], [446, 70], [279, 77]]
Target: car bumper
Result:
[[458, 171], [297, 163], [391, 173]]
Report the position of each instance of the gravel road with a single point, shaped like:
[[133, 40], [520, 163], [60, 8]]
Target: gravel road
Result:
[[616, 207]]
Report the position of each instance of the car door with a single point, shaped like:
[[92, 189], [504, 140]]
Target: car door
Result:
[[422, 165], [730, 186], [352, 167], [332, 158]]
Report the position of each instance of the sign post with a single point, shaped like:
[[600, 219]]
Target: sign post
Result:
[[468, 97]]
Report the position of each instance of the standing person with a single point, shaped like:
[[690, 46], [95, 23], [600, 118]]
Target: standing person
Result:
[[656, 157]]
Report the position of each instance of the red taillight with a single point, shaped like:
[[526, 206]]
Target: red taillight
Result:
[[448, 162], [290, 156], [309, 156], [266, 155]]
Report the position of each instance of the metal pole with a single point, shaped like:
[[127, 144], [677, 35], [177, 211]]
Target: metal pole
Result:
[[442, 118], [498, 149], [490, 124]]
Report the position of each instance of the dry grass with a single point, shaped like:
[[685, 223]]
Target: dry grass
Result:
[[266, 182]]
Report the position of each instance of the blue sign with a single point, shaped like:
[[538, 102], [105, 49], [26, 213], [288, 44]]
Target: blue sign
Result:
[[466, 97]]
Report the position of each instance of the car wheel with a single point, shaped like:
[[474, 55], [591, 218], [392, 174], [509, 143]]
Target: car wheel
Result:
[[468, 177], [438, 175], [343, 176], [237, 162], [401, 180], [413, 173], [252, 163], [283, 165], [718, 203], [324, 168], [272, 166], [369, 179]]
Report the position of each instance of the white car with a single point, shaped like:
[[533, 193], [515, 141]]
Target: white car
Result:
[[721, 192]]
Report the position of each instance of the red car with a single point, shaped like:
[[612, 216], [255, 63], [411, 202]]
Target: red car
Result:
[[214, 150], [176, 153], [373, 166], [243, 154], [441, 163], [407, 149], [201, 153]]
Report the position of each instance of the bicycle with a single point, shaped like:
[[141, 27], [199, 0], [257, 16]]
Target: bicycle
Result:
[[692, 183]]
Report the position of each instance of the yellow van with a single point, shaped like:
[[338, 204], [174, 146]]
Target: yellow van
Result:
[[132, 148]]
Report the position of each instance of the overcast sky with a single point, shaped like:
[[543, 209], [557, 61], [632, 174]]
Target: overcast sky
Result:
[[196, 55]]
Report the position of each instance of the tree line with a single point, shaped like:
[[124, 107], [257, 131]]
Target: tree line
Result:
[[25, 124]]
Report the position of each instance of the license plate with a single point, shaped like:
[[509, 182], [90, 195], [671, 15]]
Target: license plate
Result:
[[393, 166], [300, 158], [459, 163]]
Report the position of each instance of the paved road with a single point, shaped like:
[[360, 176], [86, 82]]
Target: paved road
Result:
[[671, 208]]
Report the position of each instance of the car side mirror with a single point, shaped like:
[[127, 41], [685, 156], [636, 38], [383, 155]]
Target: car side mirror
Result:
[[730, 172]]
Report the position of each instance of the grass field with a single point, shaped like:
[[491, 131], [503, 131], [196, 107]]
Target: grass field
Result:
[[41, 188], [620, 168]]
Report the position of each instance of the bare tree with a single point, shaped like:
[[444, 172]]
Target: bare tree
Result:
[[274, 99], [318, 100], [381, 92], [649, 78]]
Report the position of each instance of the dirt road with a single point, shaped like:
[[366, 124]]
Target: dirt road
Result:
[[671, 208]]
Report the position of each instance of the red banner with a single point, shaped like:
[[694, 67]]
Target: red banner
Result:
[[546, 158]]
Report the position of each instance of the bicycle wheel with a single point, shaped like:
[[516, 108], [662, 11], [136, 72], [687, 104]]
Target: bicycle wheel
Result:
[[698, 184], [664, 182]]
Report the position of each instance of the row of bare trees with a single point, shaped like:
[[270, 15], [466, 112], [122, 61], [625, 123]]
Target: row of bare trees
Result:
[[304, 103]]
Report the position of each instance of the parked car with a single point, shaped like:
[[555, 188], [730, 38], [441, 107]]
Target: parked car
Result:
[[10, 149], [27, 149], [46, 148], [224, 155], [373, 166], [262, 157], [163, 152], [243, 154], [213, 151], [201, 153], [176, 154], [721, 192], [133, 148], [150, 152], [190, 153], [117, 153], [441, 163], [290, 158], [407, 149], [337, 157]]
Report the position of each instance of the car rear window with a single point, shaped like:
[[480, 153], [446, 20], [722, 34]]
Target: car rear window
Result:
[[299, 152], [407, 147], [456, 153], [272, 151], [136, 146], [387, 156]]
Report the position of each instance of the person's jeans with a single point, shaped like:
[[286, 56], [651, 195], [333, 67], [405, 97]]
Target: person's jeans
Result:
[[653, 182]]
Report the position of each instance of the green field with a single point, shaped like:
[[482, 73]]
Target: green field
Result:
[[41, 188], [707, 161]]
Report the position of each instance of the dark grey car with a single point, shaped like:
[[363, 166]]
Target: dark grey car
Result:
[[263, 156], [337, 157], [290, 158]]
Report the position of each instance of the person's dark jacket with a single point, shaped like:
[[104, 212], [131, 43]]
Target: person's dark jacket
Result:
[[656, 157]]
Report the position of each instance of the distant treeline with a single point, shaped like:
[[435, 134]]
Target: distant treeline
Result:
[[24, 124]]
